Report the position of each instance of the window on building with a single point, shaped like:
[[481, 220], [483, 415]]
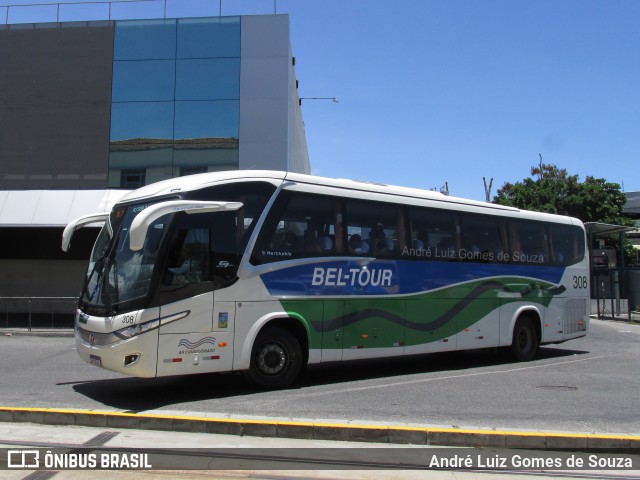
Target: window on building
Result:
[[144, 39], [132, 178], [192, 170], [207, 79], [208, 37]]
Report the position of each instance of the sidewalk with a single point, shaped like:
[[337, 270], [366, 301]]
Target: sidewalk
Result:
[[334, 430], [620, 309], [197, 456]]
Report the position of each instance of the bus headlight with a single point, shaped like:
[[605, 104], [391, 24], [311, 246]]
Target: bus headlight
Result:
[[135, 330]]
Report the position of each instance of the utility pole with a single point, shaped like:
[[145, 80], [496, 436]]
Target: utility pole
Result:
[[487, 189]]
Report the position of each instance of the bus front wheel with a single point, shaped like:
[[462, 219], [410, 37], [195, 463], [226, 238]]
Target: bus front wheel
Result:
[[276, 359], [524, 346]]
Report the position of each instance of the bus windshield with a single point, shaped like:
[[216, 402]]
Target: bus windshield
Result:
[[118, 275], [120, 279]]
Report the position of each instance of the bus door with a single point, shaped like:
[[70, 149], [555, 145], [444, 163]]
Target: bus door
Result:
[[196, 333]]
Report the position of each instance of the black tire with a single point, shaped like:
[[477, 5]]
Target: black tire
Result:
[[524, 345], [276, 359]]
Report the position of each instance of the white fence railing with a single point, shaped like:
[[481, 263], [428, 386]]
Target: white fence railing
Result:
[[29, 312], [13, 12]]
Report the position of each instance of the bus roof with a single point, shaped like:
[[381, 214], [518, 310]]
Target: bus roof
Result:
[[203, 180]]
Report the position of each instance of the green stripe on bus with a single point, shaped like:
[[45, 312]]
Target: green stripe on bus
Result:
[[375, 322]]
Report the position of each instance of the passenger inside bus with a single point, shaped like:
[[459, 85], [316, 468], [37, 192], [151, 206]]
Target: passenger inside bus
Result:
[[357, 246], [193, 259], [379, 241]]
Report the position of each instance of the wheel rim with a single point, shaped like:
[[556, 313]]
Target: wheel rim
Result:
[[524, 340], [271, 359]]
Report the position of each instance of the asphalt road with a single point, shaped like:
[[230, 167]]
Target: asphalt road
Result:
[[590, 385]]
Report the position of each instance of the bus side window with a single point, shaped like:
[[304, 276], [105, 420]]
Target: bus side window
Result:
[[482, 239], [300, 225], [253, 195], [529, 242], [375, 229], [434, 235], [192, 262], [187, 271], [566, 244]]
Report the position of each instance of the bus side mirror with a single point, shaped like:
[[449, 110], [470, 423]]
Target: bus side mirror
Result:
[[144, 219], [78, 223]]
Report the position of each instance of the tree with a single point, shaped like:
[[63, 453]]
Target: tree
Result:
[[555, 191]]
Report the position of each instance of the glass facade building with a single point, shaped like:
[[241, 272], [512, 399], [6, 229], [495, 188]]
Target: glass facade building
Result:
[[124, 103], [175, 99], [89, 108]]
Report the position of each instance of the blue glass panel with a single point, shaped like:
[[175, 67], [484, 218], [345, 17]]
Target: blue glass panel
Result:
[[149, 120], [218, 119], [208, 79], [209, 37], [145, 39], [211, 158], [151, 80]]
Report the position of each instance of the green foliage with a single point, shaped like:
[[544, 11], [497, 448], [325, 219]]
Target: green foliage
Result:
[[555, 191]]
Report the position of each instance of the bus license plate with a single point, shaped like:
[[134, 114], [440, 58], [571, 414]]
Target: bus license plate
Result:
[[95, 360]]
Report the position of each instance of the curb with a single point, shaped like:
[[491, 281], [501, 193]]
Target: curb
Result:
[[427, 436]]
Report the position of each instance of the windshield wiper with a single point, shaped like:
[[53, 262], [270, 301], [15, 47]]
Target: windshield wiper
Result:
[[106, 296]]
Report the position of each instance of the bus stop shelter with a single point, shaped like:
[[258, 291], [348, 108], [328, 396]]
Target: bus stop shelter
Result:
[[615, 287]]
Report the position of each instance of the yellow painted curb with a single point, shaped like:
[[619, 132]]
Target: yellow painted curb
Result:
[[336, 426]]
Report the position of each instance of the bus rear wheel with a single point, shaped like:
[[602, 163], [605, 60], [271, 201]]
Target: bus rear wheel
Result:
[[276, 359], [524, 345]]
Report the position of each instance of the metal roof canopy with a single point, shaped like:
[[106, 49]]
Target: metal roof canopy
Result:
[[595, 229], [598, 229], [52, 208]]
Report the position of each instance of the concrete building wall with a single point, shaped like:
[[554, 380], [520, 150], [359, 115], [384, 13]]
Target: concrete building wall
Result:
[[264, 92], [55, 93], [298, 151], [31, 277]]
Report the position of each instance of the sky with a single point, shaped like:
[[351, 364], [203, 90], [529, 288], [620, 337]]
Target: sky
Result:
[[450, 91]]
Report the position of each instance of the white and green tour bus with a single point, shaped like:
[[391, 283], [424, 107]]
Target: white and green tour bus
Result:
[[265, 272]]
